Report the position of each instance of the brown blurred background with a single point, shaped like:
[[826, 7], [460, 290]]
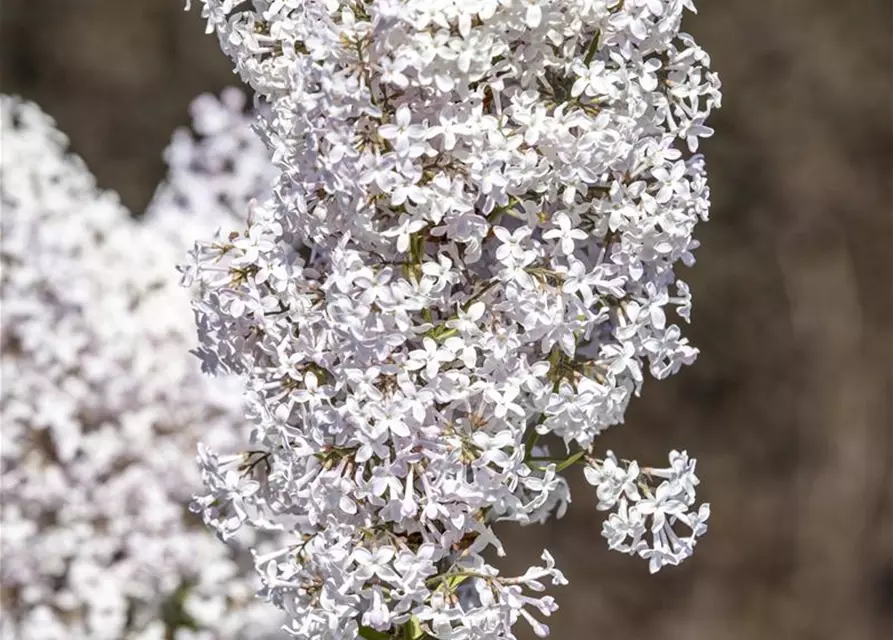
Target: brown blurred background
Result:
[[788, 408]]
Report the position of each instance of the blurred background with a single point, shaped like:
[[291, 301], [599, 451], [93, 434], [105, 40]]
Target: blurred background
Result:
[[789, 407]]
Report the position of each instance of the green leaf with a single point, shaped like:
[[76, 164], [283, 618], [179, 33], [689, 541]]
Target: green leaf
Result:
[[372, 634], [455, 581], [413, 630]]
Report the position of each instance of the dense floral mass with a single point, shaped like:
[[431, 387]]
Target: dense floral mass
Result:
[[472, 243], [100, 409]]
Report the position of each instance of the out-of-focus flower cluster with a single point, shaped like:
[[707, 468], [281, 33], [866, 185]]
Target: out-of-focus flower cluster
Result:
[[472, 243], [214, 169], [101, 406]]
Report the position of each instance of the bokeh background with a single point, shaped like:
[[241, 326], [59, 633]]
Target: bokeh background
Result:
[[789, 407]]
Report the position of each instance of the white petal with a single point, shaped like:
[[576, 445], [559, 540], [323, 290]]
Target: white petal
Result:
[[534, 16]]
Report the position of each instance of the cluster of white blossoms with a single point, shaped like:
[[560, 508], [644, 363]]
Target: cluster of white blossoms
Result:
[[101, 406], [214, 169], [471, 243]]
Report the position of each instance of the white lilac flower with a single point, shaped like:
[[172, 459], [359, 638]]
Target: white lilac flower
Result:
[[478, 216], [101, 412], [644, 507]]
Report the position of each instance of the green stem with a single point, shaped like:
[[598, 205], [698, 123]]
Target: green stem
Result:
[[532, 437], [593, 47], [572, 460], [453, 580], [563, 463]]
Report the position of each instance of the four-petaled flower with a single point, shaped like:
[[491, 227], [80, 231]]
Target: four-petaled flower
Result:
[[565, 234]]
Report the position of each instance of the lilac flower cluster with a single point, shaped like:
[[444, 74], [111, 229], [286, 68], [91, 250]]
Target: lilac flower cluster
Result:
[[471, 243], [101, 407]]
